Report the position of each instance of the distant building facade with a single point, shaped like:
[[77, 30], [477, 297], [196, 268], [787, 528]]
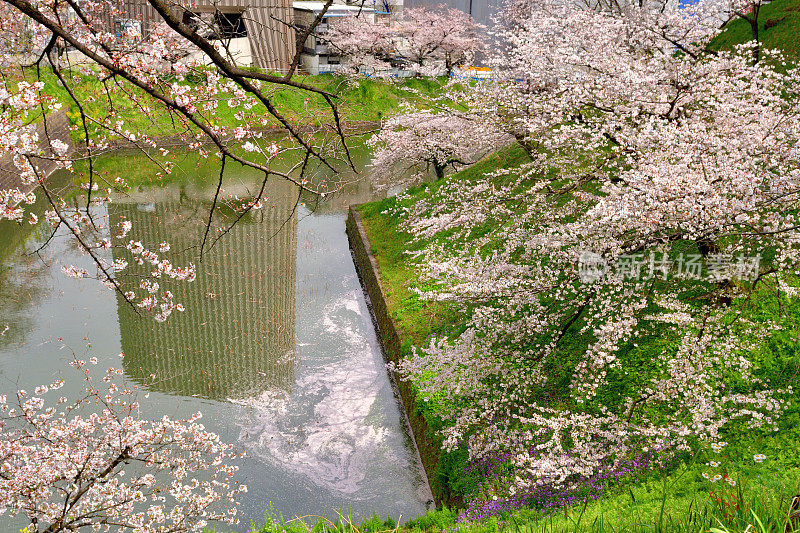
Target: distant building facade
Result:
[[315, 57], [258, 32]]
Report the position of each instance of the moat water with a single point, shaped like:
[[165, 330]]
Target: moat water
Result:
[[276, 346]]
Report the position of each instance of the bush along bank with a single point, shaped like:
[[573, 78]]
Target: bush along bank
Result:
[[719, 483]]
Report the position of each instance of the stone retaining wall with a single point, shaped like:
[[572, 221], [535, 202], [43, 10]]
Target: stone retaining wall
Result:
[[367, 266], [172, 141]]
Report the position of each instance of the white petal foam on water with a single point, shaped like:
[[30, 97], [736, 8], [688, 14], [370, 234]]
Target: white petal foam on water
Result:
[[340, 438]]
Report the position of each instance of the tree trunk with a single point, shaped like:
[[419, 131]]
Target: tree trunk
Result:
[[525, 143], [753, 21]]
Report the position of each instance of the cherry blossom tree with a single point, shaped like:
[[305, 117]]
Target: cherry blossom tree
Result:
[[411, 144], [95, 463], [656, 213], [363, 44], [428, 41], [441, 35]]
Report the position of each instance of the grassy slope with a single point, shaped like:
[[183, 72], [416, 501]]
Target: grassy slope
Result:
[[681, 500], [356, 100], [779, 28]]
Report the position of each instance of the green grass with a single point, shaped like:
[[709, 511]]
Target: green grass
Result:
[[676, 499], [683, 502], [779, 28], [416, 319], [679, 503], [356, 100]]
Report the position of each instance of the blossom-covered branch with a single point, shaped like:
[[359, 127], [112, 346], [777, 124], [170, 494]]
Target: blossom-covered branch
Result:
[[93, 462], [134, 90]]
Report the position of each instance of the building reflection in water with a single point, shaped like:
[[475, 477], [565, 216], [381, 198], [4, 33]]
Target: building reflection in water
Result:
[[236, 338]]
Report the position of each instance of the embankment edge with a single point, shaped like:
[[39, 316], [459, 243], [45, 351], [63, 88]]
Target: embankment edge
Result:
[[367, 267]]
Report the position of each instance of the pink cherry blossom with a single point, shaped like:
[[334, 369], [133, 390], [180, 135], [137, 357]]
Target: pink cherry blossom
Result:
[[641, 140], [94, 463]]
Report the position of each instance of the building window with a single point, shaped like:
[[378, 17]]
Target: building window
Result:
[[191, 19], [229, 25]]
